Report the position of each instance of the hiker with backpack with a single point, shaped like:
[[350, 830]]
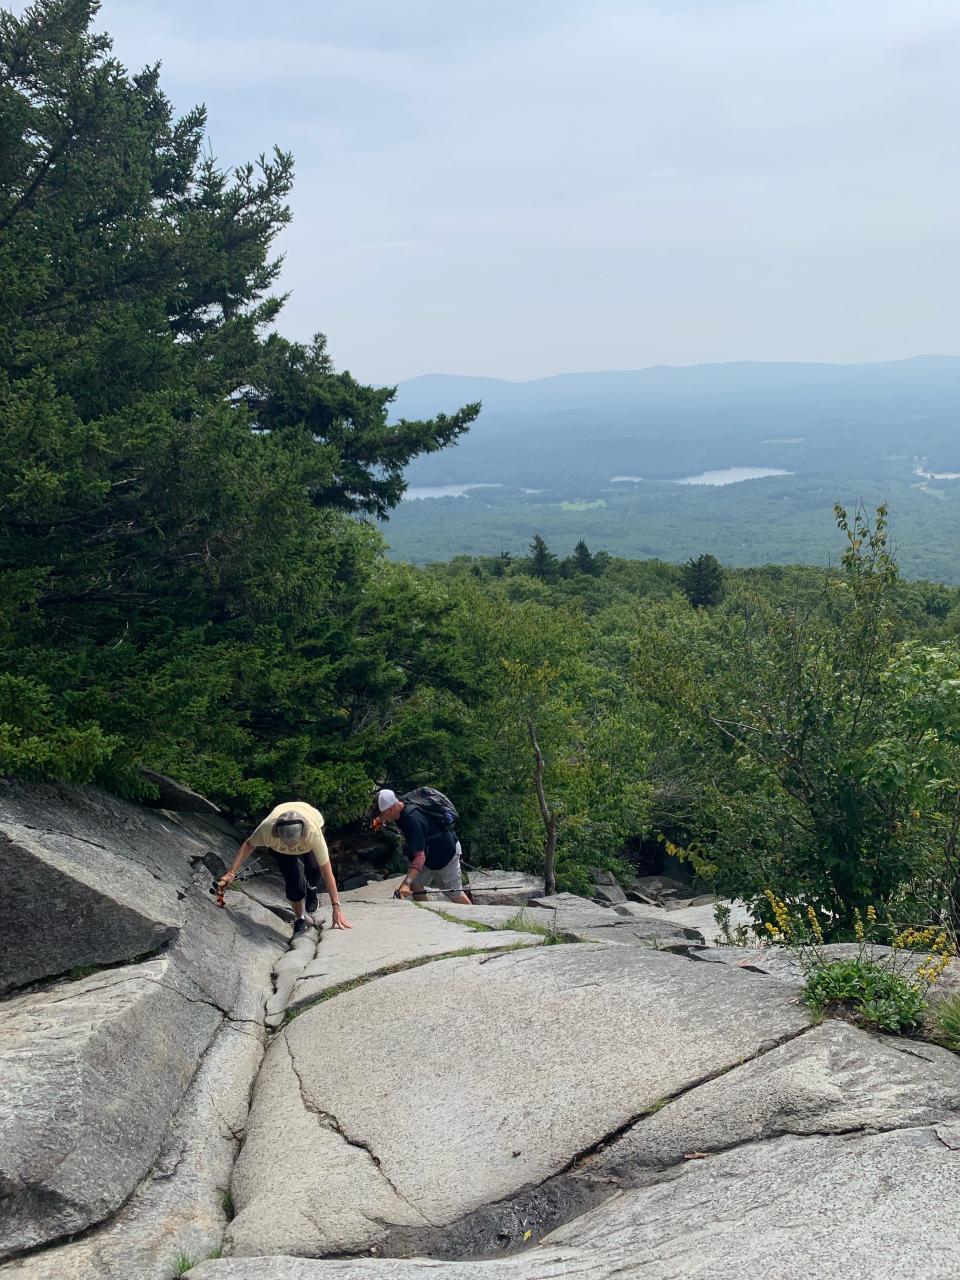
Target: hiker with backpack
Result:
[[426, 819], [293, 832]]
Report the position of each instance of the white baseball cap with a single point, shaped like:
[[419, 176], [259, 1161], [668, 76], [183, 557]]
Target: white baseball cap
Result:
[[386, 800]]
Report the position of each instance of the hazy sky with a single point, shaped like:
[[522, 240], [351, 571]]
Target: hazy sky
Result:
[[524, 187]]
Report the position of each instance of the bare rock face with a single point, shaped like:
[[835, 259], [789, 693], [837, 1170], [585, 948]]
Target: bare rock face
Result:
[[181, 1207], [471, 1078], [94, 1067], [76, 1134], [854, 1207], [446, 1103]]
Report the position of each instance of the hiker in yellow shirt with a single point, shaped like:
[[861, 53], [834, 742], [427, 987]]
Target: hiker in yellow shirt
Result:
[[294, 834]]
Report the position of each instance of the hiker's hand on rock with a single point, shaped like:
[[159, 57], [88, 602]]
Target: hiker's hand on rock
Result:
[[403, 890], [339, 920], [228, 877]]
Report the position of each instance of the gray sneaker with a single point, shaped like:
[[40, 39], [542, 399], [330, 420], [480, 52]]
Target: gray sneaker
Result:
[[312, 901], [299, 926]]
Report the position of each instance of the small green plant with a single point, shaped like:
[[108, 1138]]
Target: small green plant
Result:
[[551, 936], [881, 998], [883, 985], [82, 971], [945, 1022], [738, 936], [183, 1263], [226, 1203]]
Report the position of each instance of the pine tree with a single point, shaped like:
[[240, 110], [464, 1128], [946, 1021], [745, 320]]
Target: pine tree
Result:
[[181, 581], [543, 563], [582, 559], [702, 581]]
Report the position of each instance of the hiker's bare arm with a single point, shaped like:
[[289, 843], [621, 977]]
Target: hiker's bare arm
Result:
[[339, 920], [416, 864], [243, 853]]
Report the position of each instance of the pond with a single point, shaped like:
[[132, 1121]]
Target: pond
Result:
[[733, 475], [417, 492]]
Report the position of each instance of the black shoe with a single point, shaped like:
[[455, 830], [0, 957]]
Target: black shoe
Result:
[[312, 902], [299, 926]]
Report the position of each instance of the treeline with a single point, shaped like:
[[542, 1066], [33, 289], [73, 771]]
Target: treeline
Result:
[[190, 579]]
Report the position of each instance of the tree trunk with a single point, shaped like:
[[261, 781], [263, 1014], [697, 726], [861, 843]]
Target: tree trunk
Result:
[[546, 813]]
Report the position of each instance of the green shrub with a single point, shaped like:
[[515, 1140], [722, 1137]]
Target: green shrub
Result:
[[885, 984], [879, 997]]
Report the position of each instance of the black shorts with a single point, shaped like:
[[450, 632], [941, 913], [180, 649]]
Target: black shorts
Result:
[[298, 871]]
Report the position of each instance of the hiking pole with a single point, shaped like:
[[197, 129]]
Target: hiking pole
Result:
[[218, 891]]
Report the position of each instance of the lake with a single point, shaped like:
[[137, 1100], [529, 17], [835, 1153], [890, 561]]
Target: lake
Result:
[[415, 493], [733, 475]]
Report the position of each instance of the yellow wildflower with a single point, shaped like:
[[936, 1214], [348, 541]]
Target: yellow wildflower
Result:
[[814, 924], [858, 929]]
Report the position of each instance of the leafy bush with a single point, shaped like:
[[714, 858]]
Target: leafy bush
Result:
[[880, 998], [808, 746], [885, 986]]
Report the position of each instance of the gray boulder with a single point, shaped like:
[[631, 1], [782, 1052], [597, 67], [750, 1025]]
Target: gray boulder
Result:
[[590, 921], [609, 893], [182, 1207], [509, 1067], [90, 1074], [88, 880], [57, 914], [176, 796], [843, 1208]]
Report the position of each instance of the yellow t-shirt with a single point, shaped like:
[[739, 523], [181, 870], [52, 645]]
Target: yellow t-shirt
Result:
[[312, 842]]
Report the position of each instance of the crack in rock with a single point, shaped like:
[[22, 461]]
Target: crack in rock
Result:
[[330, 1121], [496, 1228]]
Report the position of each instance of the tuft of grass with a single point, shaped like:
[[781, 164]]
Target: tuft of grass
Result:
[[657, 1105], [945, 1022], [551, 937], [183, 1262], [475, 925], [226, 1203]]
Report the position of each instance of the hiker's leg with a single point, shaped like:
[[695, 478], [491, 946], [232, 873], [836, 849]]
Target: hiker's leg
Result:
[[421, 881], [311, 870], [294, 887], [450, 880], [311, 873]]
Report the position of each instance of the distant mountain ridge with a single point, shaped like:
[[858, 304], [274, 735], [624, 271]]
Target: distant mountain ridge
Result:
[[598, 456], [662, 385]]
